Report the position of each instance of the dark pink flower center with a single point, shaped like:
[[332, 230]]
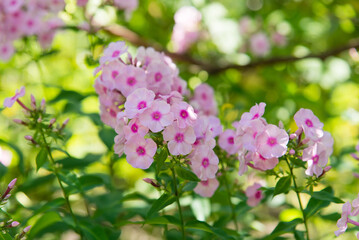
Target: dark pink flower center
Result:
[[156, 116], [13, 2], [230, 140], [255, 134], [205, 162], [114, 74], [204, 183], [184, 114], [30, 23], [115, 53], [141, 151], [4, 49], [315, 159], [262, 158], [309, 123], [272, 141], [255, 116], [131, 81], [141, 105], [158, 77], [204, 96], [112, 113], [258, 195], [134, 128], [179, 137]]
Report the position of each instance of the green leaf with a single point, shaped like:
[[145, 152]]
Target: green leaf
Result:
[[93, 232], [283, 227], [71, 162], [5, 236], [56, 203], [41, 158], [162, 202], [299, 235], [189, 186], [325, 196], [199, 226], [160, 158], [315, 204], [164, 220], [107, 136], [46, 220], [282, 185], [71, 96], [186, 174]]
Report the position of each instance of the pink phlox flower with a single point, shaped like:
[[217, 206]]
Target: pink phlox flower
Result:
[[207, 187], [250, 132], [6, 51], [134, 127], [272, 142], [140, 151], [159, 77], [355, 205], [113, 52], [317, 158], [228, 141], [342, 223], [204, 97], [172, 98], [111, 73], [259, 44], [243, 161], [138, 101], [146, 55], [11, 6], [254, 195], [214, 124], [179, 140], [310, 124], [205, 163], [8, 102], [245, 25], [180, 86], [108, 115], [31, 24], [130, 79], [157, 117], [255, 112], [184, 114], [262, 163]]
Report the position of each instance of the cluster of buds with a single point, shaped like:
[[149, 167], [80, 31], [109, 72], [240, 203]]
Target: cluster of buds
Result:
[[36, 118], [11, 223]]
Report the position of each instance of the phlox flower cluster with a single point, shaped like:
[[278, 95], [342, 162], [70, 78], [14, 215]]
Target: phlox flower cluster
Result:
[[259, 145], [258, 42], [20, 18], [319, 143], [186, 28], [348, 209], [144, 95]]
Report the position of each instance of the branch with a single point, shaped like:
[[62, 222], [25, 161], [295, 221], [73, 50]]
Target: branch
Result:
[[135, 39]]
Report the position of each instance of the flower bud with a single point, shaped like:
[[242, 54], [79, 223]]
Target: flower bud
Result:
[[27, 229], [292, 152], [12, 183], [14, 224], [293, 136], [153, 182], [33, 102], [52, 121], [64, 123]]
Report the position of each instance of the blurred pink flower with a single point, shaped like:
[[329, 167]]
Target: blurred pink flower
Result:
[[254, 195], [259, 44], [6, 50], [207, 188], [342, 223], [227, 141], [5, 157], [8, 102]]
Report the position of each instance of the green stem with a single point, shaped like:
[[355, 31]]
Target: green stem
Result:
[[234, 217], [59, 181], [298, 197], [178, 202]]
